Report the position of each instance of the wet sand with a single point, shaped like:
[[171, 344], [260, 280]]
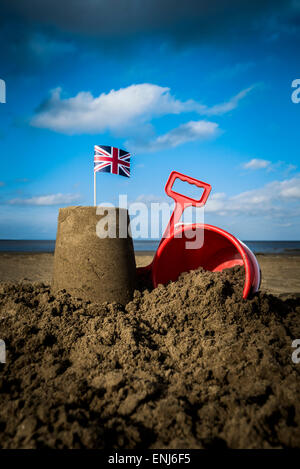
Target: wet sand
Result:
[[280, 273]]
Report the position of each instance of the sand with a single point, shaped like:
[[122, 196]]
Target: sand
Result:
[[280, 273], [188, 365], [84, 260]]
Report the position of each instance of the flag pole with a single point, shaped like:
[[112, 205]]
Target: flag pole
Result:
[[95, 189]]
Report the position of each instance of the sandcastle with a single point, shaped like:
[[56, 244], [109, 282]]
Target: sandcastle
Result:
[[89, 265]]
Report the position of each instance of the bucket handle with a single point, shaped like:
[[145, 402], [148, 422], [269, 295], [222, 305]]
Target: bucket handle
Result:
[[183, 201]]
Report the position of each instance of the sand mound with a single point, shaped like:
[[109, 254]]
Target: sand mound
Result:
[[187, 365]]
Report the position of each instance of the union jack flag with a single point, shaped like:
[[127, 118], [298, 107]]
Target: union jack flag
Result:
[[111, 160]]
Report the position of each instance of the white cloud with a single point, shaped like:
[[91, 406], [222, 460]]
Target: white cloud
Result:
[[118, 110], [227, 106], [280, 166], [256, 163], [113, 111], [51, 199], [291, 191], [277, 198], [193, 130]]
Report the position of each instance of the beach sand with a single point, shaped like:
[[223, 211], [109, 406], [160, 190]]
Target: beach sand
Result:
[[280, 273], [187, 365]]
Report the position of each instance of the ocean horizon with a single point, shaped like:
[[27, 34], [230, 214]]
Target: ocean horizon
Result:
[[263, 247]]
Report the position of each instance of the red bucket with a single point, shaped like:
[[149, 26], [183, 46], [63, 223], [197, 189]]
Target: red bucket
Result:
[[219, 249]]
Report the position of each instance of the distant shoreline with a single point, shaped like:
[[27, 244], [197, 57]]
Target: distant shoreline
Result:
[[147, 247], [287, 253]]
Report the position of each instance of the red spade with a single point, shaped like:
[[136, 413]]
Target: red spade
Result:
[[219, 249]]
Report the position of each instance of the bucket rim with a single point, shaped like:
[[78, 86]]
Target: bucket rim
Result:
[[249, 266]]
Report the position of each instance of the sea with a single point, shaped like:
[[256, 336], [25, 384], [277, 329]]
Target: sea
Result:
[[258, 247]]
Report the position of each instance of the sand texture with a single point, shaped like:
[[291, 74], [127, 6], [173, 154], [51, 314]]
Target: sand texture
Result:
[[280, 273], [188, 365], [88, 266]]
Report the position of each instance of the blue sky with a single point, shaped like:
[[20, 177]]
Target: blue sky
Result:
[[204, 89]]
